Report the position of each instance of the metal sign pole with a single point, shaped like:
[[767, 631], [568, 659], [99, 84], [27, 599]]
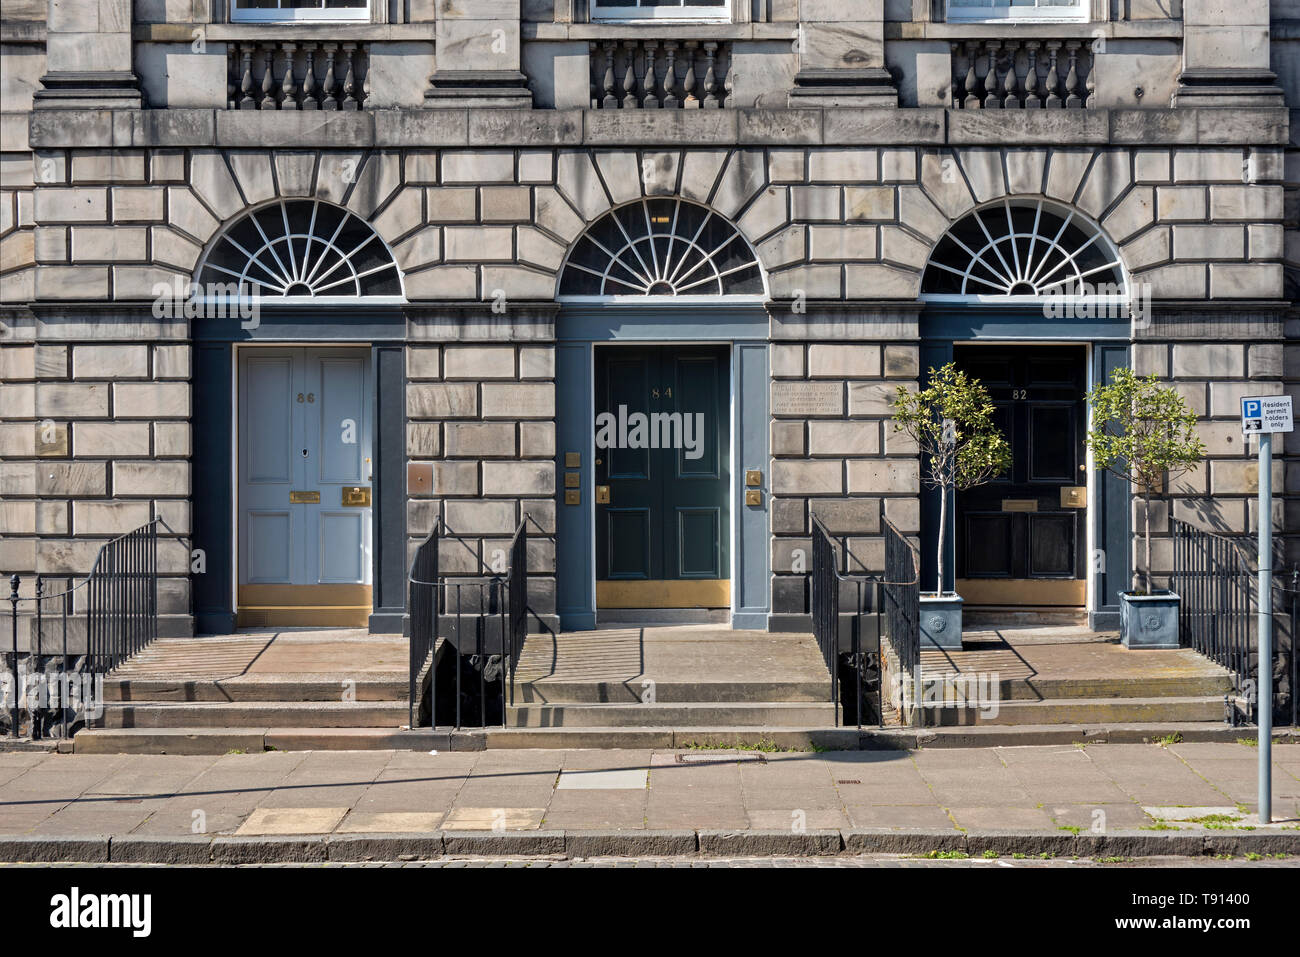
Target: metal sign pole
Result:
[[1264, 698]]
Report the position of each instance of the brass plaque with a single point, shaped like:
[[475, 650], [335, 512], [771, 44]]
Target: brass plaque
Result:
[[356, 496], [573, 460], [572, 479], [753, 478], [1020, 505], [572, 496], [753, 496], [304, 498], [1074, 496], [602, 494]]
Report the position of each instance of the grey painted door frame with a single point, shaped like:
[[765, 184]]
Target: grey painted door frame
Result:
[[1109, 512], [380, 329], [743, 327]]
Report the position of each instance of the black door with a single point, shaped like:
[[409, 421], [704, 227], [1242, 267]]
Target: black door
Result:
[[1021, 538], [661, 466]]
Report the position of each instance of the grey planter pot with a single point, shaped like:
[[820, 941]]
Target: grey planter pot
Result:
[[941, 622], [1149, 621]]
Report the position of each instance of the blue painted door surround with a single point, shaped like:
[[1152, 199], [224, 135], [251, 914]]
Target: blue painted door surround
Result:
[[1108, 563], [578, 330]]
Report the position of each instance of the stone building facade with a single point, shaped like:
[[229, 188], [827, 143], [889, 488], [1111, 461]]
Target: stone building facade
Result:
[[835, 144]]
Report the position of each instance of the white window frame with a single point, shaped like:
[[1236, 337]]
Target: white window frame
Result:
[[1081, 12], [605, 11], [241, 14]]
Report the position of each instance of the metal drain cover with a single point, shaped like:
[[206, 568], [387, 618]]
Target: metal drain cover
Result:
[[704, 757]]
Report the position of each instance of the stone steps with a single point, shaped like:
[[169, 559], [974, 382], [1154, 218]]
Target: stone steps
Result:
[[1082, 711], [695, 714], [635, 690], [1041, 689], [307, 687], [254, 714]]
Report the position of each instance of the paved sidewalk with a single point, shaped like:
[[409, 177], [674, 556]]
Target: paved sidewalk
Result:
[[1053, 792]]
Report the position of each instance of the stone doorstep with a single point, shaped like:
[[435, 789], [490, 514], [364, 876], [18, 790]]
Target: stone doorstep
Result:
[[219, 741], [633, 843]]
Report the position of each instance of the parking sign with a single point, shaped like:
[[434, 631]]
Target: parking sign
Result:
[[1266, 414]]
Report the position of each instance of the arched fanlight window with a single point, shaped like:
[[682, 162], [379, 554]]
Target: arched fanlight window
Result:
[[661, 247], [302, 248], [1026, 248]]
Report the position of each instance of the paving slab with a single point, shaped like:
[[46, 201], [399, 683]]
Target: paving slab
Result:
[[301, 820]]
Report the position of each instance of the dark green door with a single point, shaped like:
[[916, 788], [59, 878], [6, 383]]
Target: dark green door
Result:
[[662, 462], [1021, 537]]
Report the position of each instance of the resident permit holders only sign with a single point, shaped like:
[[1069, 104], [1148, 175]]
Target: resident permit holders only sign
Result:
[[1266, 413]]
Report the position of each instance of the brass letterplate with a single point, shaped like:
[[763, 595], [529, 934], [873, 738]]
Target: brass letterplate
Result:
[[1020, 505], [356, 496], [572, 496], [753, 496], [572, 479], [602, 494], [753, 478], [1074, 496], [304, 498], [573, 460]]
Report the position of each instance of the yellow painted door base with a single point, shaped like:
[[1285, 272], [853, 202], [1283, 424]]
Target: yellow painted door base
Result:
[[1022, 591], [336, 606], [674, 593]]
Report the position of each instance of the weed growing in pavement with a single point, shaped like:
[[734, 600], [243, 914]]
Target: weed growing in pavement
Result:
[[946, 855], [1168, 739]]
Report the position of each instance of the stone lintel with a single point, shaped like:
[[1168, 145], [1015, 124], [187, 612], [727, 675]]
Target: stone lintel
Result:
[[1216, 320], [827, 320], [476, 322]]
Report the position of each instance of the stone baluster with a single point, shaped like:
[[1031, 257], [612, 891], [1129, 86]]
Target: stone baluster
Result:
[[1072, 99], [349, 79], [728, 88], [232, 74], [690, 100], [608, 99], [651, 81], [711, 101], [629, 75], [1090, 84], [1053, 76], [288, 89], [957, 86], [973, 88], [993, 99], [672, 92], [246, 101], [1032, 99], [1011, 85], [330, 86], [309, 101], [268, 77]]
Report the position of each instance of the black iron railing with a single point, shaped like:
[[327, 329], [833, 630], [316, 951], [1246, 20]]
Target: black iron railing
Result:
[[121, 618], [838, 647], [517, 600], [901, 632], [1214, 578], [481, 620], [36, 695]]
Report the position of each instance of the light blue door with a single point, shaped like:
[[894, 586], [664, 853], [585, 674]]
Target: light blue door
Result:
[[304, 466]]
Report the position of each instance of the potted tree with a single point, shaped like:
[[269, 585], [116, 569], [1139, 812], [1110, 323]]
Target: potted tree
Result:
[[1143, 432], [951, 421]]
